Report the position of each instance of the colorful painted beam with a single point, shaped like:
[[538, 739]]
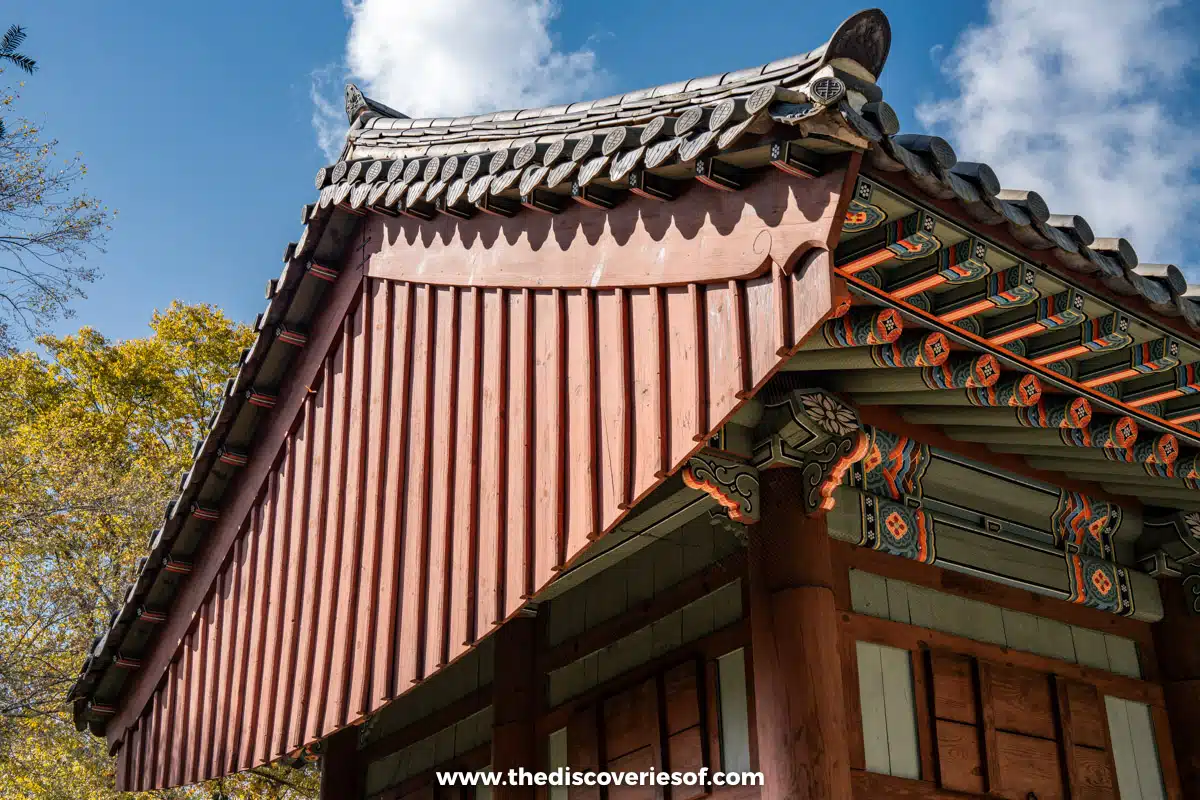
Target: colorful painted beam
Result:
[[964, 372], [1102, 335], [1186, 381], [1051, 313], [1115, 433], [1053, 414], [859, 328], [961, 263], [1146, 358], [1010, 393], [1060, 413], [1011, 288], [1183, 413], [794, 160], [1107, 434], [957, 372], [906, 239], [1159, 451], [862, 216], [919, 349]]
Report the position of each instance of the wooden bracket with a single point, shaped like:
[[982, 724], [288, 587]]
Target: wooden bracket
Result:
[[733, 485], [816, 432]]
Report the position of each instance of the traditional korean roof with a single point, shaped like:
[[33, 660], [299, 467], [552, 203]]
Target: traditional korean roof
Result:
[[797, 115], [501, 163]]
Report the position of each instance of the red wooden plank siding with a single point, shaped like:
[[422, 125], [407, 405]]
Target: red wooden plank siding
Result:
[[464, 529], [133, 755], [442, 411], [257, 619], [413, 526], [399, 300], [544, 468], [683, 353], [346, 442], [375, 453], [156, 759], [279, 538], [291, 735], [493, 402], [335, 421], [519, 540], [297, 578], [226, 634], [644, 410], [172, 724], [186, 715], [581, 418], [239, 654], [457, 447], [612, 368], [212, 654], [357, 382], [202, 696], [318, 616]]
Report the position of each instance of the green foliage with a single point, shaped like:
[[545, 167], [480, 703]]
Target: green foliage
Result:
[[93, 437], [46, 224]]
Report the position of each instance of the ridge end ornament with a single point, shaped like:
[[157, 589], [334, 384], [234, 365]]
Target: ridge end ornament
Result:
[[734, 486], [820, 435]]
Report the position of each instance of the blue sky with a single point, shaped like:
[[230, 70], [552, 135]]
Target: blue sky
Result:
[[196, 120]]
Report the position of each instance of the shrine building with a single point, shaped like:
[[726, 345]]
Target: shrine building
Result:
[[713, 425]]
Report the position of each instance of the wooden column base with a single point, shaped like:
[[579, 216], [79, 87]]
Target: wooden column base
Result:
[[1177, 646], [341, 772], [798, 682], [514, 704], [1183, 710]]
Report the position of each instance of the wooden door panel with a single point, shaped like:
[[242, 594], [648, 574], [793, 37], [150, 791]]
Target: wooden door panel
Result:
[[682, 690], [954, 688], [630, 720], [1093, 771], [685, 753], [1022, 701], [1028, 764], [641, 760], [960, 763], [1088, 719]]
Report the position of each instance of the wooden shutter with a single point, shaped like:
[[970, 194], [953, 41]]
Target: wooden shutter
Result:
[[1013, 732]]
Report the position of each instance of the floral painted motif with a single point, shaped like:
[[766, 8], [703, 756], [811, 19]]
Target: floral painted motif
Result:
[[929, 350], [963, 373], [856, 329], [1074, 413], [1099, 584], [897, 529], [831, 414], [1019, 393]]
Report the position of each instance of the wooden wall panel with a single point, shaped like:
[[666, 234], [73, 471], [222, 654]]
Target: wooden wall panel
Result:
[[455, 449]]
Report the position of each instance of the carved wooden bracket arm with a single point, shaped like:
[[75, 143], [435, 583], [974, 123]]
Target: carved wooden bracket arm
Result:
[[1169, 547], [734, 486], [816, 433]]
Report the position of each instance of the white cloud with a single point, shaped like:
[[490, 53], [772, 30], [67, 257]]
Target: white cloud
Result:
[[1073, 99], [453, 57]]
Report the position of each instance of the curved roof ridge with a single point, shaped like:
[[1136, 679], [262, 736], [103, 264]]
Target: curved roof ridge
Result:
[[864, 37]]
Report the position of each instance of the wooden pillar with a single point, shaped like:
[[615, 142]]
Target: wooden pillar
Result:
[[800, 709], [1177, 645], [514, 704], [341, 772]]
